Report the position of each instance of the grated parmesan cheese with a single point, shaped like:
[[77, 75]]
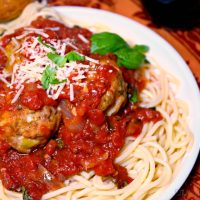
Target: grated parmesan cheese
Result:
[[71, 92], [16, 43], [4, 80], [28, 32], [83, 38], [91, 60], [3, 77], [18, 94], [32, 71]]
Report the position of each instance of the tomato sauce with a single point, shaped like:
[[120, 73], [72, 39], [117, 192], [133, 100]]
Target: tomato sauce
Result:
[[89, 140]]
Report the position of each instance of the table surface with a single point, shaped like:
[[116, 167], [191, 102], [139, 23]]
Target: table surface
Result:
[[187, 43]]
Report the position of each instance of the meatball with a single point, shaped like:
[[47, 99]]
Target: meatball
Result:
[[115, 97], [26, 129]]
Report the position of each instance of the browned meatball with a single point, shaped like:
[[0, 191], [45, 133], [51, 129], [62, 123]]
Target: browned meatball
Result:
[[25, 129], [115, 97]]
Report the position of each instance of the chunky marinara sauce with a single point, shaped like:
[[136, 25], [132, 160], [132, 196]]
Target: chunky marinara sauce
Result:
[[89, 140]]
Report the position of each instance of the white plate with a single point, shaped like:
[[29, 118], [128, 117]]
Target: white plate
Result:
[[166, 56]]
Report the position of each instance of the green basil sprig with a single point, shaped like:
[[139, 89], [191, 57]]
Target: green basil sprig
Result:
[[134, 97], [25, 194], [60, 143], [49, 77], [129, 57], [44, 44], [61, 60], [106, 42], [49, 74], [141, 48]]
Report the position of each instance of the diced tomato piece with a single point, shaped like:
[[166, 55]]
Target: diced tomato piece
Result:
[[96, 116], [105, 168]]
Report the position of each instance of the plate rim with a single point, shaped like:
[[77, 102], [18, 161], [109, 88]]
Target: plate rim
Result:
[[181, 177]]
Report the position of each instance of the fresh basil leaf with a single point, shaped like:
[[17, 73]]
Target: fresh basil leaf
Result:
[[106, 42], [73, 56], [60, 60], [146, 61], [49, 77], [60, 143], [130, 58], [57, 59], [56, 81], [134, 97], [141, 48], [1, 33], [25, 194], [44, 44]]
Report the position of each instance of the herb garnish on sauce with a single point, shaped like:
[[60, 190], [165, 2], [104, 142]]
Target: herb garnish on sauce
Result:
[[129, 57]]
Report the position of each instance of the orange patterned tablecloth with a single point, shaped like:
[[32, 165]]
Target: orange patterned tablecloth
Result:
[[187, 43]]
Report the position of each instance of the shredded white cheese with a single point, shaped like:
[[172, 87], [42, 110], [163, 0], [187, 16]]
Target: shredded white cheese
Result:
[[30, 71], [71, 92], [16, 43], [83, 38], [28, 32], [4, 80], [4, 76], [58, 92], [18, 94], [91, 60]]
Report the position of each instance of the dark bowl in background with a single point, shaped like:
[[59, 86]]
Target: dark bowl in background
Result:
[[174, 13]]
